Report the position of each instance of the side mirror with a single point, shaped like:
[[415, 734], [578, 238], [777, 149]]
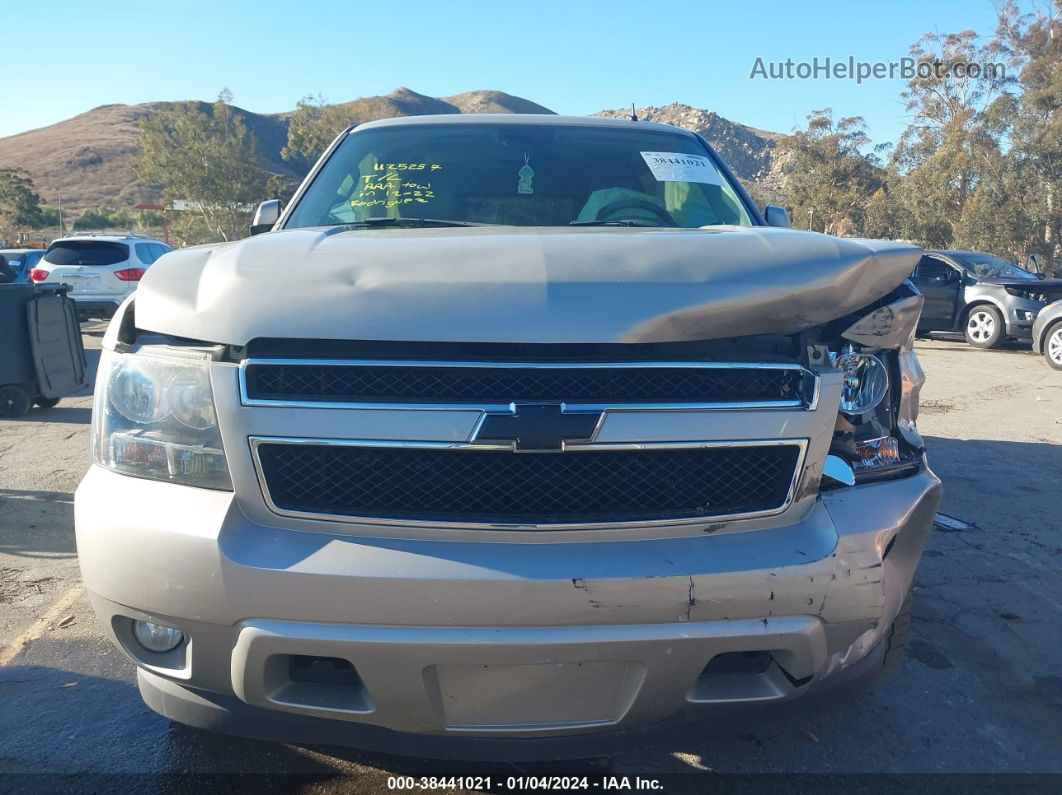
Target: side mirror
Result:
[[776, 216], [267, 214]]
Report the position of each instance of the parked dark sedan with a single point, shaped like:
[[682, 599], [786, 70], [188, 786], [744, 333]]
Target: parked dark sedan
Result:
[[987, 298]]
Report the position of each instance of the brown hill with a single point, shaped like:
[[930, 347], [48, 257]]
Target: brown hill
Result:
[[493, 102], [89, 158], [745, 149], [400, 102]]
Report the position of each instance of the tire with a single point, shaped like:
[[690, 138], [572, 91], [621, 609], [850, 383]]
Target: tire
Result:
[[1053, 346], [897, 637], [984, 326], [45, 403], [14, 401]]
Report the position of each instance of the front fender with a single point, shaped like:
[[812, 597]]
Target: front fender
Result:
[[1048, 316]]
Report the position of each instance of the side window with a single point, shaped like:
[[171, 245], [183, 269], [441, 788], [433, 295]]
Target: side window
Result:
[[159, 249], [145, 252], [931, 269]]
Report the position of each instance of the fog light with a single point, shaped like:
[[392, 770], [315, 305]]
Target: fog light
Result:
[[157, 637]]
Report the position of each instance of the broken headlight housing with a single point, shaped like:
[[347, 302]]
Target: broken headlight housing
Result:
[[154, 417], [876, 432]]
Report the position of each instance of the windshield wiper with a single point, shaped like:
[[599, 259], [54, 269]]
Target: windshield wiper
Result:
[[613, 223], [374, 222]]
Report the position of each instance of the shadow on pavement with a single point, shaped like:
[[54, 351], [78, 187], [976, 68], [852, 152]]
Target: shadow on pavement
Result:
[[958, 343], [72, 415], [1024, 474], [95, 727], [36, 524]]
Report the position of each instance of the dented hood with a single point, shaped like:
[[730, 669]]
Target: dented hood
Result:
[[1047, 286], [516, 284]]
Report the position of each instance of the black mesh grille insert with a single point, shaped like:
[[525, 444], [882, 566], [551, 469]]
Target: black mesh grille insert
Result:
[[541, 488], [421, 384]]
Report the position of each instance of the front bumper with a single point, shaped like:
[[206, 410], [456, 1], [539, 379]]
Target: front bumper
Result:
[[1021, 315], [97, 306], [493, 639]]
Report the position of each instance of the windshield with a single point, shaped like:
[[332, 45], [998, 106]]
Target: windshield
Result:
[[993, 267], [522, 175], [86, 252]]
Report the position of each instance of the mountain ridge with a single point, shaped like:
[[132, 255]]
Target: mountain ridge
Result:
[[88, 158]]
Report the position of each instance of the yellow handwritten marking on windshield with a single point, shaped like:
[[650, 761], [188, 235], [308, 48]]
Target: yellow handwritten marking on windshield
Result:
[[389, 187], [406, 167]]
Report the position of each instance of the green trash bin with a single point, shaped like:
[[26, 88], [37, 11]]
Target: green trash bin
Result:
[[42, 358]]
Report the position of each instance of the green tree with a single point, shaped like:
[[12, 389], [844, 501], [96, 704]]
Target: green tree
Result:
[[104, 218], [49, 216], [1034, 43], [20, 206], [149, 219], [313, 126], [829, 178], [206, 156], [281, 186], [956, 137]]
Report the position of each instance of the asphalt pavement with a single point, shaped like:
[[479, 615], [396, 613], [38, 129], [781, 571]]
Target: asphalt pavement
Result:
[[980, 691]]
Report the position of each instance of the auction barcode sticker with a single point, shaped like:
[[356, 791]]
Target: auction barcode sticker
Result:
[[680, 167]]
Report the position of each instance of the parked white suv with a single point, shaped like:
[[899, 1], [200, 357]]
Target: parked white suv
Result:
[[100, 269]]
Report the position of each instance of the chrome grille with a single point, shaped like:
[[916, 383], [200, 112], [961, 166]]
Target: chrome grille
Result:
[[467, 486]]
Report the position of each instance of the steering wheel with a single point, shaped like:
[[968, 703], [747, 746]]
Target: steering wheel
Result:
[[636, 204]]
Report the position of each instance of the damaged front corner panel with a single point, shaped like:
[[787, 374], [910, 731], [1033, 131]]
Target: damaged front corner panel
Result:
[[889, 326], [893, 326]]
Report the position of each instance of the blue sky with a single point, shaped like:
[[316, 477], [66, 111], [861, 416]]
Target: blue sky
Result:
[[67, 56]]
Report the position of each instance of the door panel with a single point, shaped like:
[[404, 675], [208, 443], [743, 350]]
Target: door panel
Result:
[[940, 283]]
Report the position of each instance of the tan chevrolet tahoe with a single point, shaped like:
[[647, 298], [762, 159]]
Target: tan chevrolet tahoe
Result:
[[510, 431]]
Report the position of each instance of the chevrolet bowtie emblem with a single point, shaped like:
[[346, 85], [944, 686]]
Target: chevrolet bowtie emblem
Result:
[[538, 426]]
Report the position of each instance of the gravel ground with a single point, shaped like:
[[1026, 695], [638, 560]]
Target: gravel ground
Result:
[[979, 692]]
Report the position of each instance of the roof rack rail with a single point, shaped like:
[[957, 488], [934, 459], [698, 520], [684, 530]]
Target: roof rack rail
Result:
[[107, 234]]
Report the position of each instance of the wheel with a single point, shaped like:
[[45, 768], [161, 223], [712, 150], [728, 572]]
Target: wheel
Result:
[[897, 638], [45, 403], [984, 326], [1053, 346], [14, 401]]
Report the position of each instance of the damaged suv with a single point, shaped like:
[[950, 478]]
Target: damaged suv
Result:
[[558, 436]]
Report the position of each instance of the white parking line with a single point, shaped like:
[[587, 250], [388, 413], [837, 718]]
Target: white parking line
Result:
[[40, 626], [950, 522]]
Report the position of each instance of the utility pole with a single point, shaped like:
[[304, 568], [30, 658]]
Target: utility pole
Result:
[[60, 214]]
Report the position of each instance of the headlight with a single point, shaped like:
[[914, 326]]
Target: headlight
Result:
[[866, 381], [154, 417], [876, 434]]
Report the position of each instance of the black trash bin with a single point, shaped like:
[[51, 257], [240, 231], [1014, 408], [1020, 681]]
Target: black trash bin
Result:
[[41, 355]]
